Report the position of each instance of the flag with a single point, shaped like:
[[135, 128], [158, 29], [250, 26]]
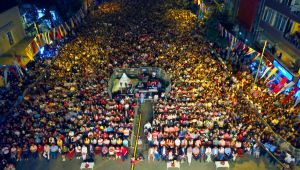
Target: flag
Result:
[[258, 54], [45, 37], [53, 38], [286, 86], [273, 71], [63, 27], [37, 42], [280, 85], [34, 47], [251, 51], [61, 32], [266, 71], [58, 35], [238, 44], [72, 23], [29, 53], [290, 95], [19, 60], [67, 26]]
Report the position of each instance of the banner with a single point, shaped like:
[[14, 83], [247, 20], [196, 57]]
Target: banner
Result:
[[286, 86], [273, 71], [280, 84]]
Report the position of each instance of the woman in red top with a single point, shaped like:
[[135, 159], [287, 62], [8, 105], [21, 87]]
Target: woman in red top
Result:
[[40, 150], [118, 152], [71, 152]]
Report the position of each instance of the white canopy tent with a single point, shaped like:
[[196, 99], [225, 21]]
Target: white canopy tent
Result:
[[124, 80]]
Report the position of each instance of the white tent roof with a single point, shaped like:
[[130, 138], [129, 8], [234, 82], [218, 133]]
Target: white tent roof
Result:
[[124, 79]]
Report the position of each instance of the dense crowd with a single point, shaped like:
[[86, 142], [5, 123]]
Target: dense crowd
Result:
[[206, 115]]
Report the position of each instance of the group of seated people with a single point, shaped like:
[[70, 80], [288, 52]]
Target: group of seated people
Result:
[[204, 117]]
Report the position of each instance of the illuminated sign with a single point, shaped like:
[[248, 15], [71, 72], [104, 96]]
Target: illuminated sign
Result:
[[288, 75], [298, 83]]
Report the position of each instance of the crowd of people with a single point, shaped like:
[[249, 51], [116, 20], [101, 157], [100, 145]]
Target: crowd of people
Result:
[[205, 116]]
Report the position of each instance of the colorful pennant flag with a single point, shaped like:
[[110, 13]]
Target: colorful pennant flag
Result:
[[280, 85], [273, 71], [286, 86]]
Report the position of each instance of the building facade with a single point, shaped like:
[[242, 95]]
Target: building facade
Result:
[[11, 29], [274, 21]]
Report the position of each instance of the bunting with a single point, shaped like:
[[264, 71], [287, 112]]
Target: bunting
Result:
[[280, 85], [265, 72], [72, 23], [57, 34], [286, 86], [273, 71], [19, 60]]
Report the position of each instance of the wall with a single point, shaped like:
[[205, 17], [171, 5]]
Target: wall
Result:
[[247, 13], [10, 21]]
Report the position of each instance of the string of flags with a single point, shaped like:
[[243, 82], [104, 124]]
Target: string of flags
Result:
[[53, 34], [40, 40], [236, 44]]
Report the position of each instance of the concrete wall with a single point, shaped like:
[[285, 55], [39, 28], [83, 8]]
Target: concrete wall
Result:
[[10, 21]]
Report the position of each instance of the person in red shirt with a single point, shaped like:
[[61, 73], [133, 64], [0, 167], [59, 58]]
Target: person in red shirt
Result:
[[40, 150], [118, 152], [124, 152]]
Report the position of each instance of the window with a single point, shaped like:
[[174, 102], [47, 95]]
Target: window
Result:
[[268, 15], [280, 22], [10, 38]]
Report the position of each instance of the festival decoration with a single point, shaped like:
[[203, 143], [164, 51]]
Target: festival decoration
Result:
[[286, 86], [273, 71], [280, 85], [290, 95]]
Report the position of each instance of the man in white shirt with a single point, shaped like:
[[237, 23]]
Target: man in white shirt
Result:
[[84, 151], [208, 154]]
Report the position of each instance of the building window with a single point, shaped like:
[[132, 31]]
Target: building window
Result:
[[268, 15], [10, 38], [280, 22]]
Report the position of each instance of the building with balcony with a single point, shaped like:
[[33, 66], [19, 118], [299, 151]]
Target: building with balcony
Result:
[[277, 21], [11, 28]]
